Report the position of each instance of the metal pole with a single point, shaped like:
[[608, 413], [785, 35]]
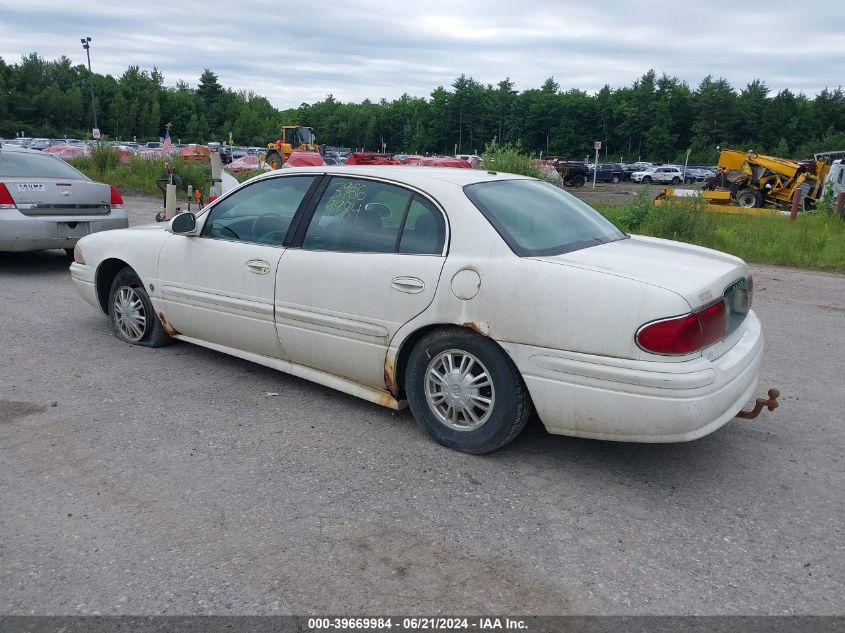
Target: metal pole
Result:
[[86, 44], [596, 168]]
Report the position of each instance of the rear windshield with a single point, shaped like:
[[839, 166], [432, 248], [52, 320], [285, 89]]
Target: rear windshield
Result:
[[537, 218], [35, 165]]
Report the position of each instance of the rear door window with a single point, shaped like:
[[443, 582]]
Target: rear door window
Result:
[[366, 216]]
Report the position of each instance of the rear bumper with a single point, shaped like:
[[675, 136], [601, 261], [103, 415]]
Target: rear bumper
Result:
[[28, 233], [638, 401]]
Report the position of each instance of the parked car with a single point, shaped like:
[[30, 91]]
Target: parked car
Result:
[[607, 172], [474, 297], [663, 174], [45, 203], [41, 144]]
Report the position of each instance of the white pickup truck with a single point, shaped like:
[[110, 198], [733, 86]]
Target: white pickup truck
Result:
[[669, 175]]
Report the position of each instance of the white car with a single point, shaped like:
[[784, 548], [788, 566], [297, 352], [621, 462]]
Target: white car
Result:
[[473, 297], [670, 175]]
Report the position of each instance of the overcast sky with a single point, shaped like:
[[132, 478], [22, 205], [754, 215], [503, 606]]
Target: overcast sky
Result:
[[295, 51]]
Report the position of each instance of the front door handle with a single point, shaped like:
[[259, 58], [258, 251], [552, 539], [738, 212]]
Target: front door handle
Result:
[[258, 266], [411, 285]]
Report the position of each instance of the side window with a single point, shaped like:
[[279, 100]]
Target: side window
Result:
[[261, 212], [424, 229], [356, 215]]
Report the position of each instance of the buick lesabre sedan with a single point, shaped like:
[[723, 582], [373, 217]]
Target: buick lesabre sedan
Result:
[[475, 298]]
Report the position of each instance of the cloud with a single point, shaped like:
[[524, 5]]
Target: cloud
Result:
[[294, 52]]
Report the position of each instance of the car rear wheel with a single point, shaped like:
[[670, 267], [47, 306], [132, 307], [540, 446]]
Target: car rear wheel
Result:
[[578, 181], [465, 391], [614, 180], [131, 313], [676, 180], [646, 180]]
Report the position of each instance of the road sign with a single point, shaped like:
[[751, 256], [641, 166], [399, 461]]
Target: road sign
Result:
[[96, 133], [597, 145]]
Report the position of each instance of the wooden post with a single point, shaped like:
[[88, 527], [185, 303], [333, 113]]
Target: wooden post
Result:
[[796, 204], [840, 204]]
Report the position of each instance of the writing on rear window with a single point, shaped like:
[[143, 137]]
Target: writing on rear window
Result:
[[30, 186]]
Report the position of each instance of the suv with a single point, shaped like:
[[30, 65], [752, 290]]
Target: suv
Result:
[[664, 174], [573, 172], [608, 172]]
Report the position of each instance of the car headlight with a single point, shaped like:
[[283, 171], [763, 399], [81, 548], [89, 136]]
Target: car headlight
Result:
[[78, 257]]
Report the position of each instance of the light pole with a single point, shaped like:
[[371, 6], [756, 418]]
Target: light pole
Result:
[[86, 44]]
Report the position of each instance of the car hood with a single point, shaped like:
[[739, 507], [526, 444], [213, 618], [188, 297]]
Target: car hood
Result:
[[158, 226], [698, 274]]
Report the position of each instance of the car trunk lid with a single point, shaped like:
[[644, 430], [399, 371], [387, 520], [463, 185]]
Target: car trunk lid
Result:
[[698, 274], [56, 196]]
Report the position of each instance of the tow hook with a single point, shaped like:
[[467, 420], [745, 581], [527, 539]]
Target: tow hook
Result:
[[771, 403]]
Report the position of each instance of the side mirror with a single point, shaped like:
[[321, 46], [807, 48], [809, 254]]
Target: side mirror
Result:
[[183, 224]]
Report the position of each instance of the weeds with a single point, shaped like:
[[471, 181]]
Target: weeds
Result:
[[813, 240], [139, 176]]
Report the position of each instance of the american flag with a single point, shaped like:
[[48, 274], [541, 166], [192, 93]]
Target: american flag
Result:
[[167, 146]]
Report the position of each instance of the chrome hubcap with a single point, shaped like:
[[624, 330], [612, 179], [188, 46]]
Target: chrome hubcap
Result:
[[129, 314], [459, 390]]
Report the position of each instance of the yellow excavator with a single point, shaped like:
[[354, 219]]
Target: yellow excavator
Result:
[[293, 138]]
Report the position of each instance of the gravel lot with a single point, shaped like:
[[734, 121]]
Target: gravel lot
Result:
[[170, 482]]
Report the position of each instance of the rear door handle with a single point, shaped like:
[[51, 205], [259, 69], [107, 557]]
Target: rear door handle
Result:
[[258, 266], [411, 285]]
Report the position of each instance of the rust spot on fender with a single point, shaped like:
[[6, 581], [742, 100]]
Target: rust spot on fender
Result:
[[389, 375], [481, 328], [172, 331], [387, 400]]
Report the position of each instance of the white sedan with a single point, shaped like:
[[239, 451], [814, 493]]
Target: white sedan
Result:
[[473, 297]]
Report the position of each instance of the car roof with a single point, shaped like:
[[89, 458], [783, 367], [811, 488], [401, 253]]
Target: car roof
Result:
[[18, 148], [418, 176]]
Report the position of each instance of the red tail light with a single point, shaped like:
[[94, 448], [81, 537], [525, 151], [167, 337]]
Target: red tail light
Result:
[[685, 334], [116, 198], [6, 201]]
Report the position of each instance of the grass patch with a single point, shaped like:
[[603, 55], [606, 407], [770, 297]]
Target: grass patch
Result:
[[140, 175], [813, 240]]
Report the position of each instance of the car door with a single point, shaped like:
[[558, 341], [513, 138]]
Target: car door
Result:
[[365, 261], [219, 286]]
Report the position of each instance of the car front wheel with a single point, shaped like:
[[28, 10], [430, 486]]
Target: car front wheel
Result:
[[646, 180], [131, 313], [465, 391]]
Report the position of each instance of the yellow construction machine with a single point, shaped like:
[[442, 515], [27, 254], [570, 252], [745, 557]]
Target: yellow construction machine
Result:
[[745, 181], [756, 181], [293, 138]]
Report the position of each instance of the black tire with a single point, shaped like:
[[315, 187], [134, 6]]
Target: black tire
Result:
[[148, 334], [615, 180], [749, 198], [578, 181], [511, 405], [69, 253], [274, 160], [689, 181], [646, 180], [676, 180]]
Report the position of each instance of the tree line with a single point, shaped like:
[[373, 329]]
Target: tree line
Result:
[[655, 118]]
